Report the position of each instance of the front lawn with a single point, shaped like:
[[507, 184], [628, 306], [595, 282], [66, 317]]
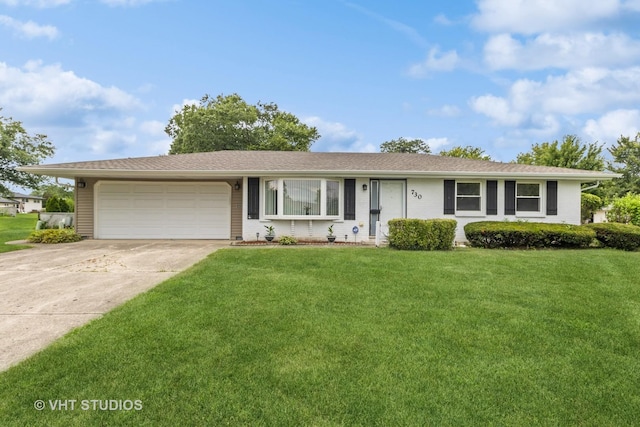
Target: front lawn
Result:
[[16, 228], [355, 336]]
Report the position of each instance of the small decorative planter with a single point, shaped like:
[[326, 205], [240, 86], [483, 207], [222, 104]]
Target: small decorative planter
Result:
[[331, 237], [270, 233]]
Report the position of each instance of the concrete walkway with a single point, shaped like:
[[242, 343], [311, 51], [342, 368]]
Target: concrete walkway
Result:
[[48, 290]]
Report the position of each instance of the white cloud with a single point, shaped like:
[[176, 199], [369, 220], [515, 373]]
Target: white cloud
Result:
[[47, 93], [609, 127], [435, 62], [111, 141], [496, 108], [442, 20], [36, 3], [567, 51], [178, 107], [445, 111], [29, 29], [529, 17], [435, 143], [336, 137], [537, 104], [153, 127], [632, 5]]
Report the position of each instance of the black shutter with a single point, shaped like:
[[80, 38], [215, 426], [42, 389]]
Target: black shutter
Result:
[[449, 197], [349, 199], [253, 198], [492, 197], [509, 197], [552, 197]]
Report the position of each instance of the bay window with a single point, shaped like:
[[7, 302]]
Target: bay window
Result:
[[301, 198]]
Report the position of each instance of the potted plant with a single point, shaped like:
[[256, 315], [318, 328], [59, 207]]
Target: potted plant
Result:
[[331, 237], [270, 233]]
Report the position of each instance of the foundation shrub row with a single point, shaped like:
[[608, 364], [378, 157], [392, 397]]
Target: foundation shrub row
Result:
[[502, 234]]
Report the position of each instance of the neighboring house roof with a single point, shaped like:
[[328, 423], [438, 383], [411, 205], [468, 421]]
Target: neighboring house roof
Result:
[[26, 196], [3, 200], [279, 163]]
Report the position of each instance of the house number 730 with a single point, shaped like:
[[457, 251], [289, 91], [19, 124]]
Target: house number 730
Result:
[[416, 195]]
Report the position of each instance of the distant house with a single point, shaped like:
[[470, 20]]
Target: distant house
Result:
[[8, 206], [27, 203], [234, 194]]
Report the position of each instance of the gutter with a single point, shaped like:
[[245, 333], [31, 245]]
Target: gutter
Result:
[[591, 187]]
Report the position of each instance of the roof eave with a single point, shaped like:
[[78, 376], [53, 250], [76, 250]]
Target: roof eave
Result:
[[72, 173]]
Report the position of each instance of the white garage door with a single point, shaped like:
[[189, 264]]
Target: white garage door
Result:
[[163, 210]]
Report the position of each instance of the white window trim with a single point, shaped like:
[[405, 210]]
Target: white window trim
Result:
[[323, 199], [542, 205], [477, 213]]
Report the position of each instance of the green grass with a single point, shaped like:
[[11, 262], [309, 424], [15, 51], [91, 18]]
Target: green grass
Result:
[[16, 228], [357, 336]]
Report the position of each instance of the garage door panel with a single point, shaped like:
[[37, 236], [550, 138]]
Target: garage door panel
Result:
[[163, 210], [147, 189], [107, 188]]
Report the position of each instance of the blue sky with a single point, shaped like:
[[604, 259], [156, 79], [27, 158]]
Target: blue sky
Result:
[[102, 78]]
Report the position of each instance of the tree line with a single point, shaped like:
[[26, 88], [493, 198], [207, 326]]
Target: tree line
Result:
[[228, 122]]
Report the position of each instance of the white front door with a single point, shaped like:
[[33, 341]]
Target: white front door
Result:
[[387, 201]]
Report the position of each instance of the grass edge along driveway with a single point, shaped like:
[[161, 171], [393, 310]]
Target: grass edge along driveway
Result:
[[16, 228], [355, 336]]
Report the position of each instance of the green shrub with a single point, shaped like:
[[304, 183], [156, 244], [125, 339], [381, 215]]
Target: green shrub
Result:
[[502, 234], [59, 204], [615, 235], [422, 234], [589, 204], [54, 236], [288, 240], [625, 210]]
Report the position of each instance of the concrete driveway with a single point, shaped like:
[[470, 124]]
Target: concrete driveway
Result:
[[50, 289]]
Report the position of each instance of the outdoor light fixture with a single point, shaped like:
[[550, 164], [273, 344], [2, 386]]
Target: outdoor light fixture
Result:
[[237, 186], [82, 184], [364, 187]]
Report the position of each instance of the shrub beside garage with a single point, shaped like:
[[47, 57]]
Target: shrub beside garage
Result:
[[64, 235], [502, 234], [422, 234]]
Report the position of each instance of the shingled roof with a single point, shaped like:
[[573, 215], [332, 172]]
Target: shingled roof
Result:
[[265, 163]]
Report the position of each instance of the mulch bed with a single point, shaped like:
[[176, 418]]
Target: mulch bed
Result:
[[300, 243]]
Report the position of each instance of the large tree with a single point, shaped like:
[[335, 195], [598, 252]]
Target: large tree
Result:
[[467, 152], [48, 190], [18, 148], [571, 153], [403, 145], [229, 123], [626, 161]]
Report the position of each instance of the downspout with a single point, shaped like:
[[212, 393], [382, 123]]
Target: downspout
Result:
[[591, 187]]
